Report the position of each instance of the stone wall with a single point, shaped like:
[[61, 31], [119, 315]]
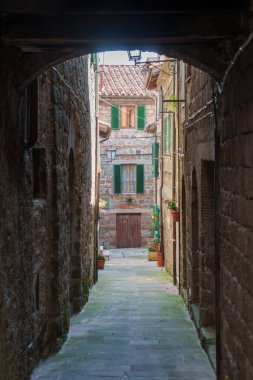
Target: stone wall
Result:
[[197, 203], [46, 214], [133, 146], [236, 216], [233, 200]]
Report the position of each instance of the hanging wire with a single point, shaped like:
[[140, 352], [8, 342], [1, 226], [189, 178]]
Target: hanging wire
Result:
[[80, 100], [233, 61]]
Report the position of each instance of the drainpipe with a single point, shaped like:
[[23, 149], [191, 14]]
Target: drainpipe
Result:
[[217, 238], [161, 184], [97, 179], [173, 149], [178, 174]]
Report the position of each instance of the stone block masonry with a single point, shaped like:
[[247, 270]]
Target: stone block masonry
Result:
[[134, 147], [47, 255]]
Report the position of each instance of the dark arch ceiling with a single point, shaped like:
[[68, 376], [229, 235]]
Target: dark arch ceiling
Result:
[[204, 34]]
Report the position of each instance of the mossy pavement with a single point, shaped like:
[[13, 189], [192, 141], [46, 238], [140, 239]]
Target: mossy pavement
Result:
[[134, 326]]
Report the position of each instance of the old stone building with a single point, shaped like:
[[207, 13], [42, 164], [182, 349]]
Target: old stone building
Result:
[[162, 76], [126, 182], [50, 243], [215, 37], [195, 173]]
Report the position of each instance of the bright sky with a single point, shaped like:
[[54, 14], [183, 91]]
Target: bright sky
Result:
[[121, 57]]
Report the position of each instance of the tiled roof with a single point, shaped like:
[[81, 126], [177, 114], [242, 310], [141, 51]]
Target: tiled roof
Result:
[[124, 80]]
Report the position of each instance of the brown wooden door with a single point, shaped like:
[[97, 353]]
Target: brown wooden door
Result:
[[128, 230]]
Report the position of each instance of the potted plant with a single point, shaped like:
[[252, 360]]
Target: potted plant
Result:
[[156, 244], [172, 205], [101, 261], [152, 253]]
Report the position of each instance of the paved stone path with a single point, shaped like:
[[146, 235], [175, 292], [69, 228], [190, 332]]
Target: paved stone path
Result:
[[134, 327]]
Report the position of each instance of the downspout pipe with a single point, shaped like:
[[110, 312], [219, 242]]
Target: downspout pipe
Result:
[[174, 178], [217, 236], [97, 178], [161, 183]]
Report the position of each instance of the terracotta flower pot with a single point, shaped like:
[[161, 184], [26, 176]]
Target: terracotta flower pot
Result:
[[156, 246], [159, 259], [101, 264], [175, 215], [152, 256]]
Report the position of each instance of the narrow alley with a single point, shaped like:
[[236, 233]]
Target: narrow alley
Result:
[[135, 326]]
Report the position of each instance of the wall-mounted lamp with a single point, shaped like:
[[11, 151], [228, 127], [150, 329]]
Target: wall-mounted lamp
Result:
[[134, 55], [111, 153]]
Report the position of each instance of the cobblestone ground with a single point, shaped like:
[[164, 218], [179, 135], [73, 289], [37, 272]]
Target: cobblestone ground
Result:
[[134, 327]]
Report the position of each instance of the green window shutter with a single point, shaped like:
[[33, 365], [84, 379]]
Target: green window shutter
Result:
[[139, 179], [115, 116], [160, 102], [165, 135], [153, 159], [155, 150], [117, 179], [141, 116], [169, 131]]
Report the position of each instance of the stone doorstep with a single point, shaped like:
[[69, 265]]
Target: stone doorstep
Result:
[[206, 335]]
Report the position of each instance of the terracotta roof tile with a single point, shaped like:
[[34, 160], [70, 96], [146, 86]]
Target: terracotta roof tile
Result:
[[124, 80]]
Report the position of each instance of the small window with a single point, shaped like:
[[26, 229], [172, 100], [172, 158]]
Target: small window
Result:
[[127, 116], [128, 178]]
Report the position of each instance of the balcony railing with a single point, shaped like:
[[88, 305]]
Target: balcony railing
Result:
[[128, 186]]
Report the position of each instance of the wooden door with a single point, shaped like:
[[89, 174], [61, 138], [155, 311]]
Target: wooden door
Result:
[[128, 230]]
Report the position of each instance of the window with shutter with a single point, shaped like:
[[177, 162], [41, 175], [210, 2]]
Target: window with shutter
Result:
[[117, 179], [127, 116], [165, 135], [170, 116], [128, 178], [115, 116], [155, 162], [139, 179], [141, 116]]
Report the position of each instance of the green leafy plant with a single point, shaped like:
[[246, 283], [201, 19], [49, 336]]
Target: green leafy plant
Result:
[[172, 203], [151, 248]]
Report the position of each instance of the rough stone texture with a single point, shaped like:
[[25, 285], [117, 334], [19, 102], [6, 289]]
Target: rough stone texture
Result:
[[133, 146], [235, 216], [198, 250], [42, 253], [236, 213]]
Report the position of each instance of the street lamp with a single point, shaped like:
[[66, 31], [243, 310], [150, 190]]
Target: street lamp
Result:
[[134, 55], [111, 153]]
